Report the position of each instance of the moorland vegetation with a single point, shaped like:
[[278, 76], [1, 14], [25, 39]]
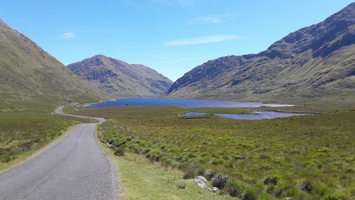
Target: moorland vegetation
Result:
[[304, 157]]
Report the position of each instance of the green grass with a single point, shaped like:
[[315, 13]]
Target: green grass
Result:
[[310, 156], [141, 179]]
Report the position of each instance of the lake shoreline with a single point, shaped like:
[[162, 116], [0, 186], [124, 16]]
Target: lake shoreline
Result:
[[184, 103]]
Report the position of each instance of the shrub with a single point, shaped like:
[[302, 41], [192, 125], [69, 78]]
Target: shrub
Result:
[[271, 189], [271, 180], [217, 161], [119, 151], [189, 175], [307, 186], [219, 181], [5, 159], [235, 188], [201, 172], [166, 161], [321, 190], [265, 167], [250, 195], [349, 170], [209, 175], [154, 155], [279, 192]]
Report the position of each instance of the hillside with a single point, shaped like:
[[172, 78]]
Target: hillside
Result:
[[29, 75], [313, 63], [119, 78]]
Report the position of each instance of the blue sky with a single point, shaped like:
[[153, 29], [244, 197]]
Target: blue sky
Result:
[[170, 36]]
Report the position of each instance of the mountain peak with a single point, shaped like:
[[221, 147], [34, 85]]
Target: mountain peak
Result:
[[101, 60], [100, 57], [343, 18], [120, 78], [313, 62], [323, 38]]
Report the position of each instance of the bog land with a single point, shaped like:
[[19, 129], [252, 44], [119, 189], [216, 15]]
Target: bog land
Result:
[[305, 157]]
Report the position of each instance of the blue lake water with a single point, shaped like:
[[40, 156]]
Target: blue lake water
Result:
[[255, 116], [184, 103], [187, 103]]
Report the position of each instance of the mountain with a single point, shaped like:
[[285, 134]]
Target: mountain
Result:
[[29, 75], [316, 62], [119, 78]]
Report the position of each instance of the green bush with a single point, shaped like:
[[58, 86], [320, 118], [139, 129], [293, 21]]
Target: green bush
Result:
[[235, 188], [271, 180], [219, 181], [189, 175], [120, 151], [307, 186], [271, 189], [321, 190], [209, 175], [5, 159], [250, 195]]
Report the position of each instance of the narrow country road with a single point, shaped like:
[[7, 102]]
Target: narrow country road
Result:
[[73, 167]]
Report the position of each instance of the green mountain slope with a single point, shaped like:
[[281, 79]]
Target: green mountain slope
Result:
[[313, 63], [29, 75], [120, 78]]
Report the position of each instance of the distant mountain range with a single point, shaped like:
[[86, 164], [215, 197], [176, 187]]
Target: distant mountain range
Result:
[[29, 75], [119, 78], [316, 62]]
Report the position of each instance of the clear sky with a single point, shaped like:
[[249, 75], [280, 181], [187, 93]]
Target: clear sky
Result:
[[170, 36]]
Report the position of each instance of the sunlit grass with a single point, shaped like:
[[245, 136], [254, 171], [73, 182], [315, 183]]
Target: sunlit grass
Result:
[[311, 156]]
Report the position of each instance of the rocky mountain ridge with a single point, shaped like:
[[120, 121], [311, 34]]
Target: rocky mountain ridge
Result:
[[119, 78], [314, 62]]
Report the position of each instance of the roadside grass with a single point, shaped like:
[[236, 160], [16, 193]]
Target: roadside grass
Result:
[[308, 157], [141, 179], [25, 131]]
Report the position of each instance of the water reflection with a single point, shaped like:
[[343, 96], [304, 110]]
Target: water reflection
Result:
[[255, 116]]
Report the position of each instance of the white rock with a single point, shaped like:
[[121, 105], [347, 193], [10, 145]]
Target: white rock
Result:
[[202, 179], [201, 184]]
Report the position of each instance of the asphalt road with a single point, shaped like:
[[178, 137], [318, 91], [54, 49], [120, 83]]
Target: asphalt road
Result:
[[73, 167]]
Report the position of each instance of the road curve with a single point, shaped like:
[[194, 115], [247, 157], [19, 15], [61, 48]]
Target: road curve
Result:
[[73, 167]]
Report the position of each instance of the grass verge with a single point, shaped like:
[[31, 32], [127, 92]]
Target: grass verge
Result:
[[139, 178]]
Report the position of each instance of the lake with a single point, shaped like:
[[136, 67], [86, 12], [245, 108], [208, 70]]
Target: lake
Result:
[[189, 103], [255, 116], [184, 103]]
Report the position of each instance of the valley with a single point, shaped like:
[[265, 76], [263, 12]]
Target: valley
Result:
[[157, 150]]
